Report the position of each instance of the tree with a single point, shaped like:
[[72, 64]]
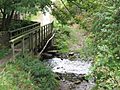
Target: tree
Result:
[[9, 7], [73, 10]]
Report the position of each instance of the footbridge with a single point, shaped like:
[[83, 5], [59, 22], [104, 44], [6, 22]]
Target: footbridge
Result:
[[32, 38]]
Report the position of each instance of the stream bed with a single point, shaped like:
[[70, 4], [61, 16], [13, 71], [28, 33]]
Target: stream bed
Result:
[[71, 73]]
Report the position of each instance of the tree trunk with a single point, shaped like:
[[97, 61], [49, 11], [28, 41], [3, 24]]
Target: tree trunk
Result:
[[3, 22], [9, 19]]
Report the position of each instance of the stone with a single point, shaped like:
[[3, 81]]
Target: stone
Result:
[[77, 82], [71, 53], [46, 55]]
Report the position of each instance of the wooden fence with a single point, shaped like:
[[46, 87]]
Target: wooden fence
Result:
[[35, 35]]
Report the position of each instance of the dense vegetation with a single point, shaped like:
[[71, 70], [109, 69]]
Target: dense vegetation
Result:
[[102, 20], [106, 44], [27, 73]]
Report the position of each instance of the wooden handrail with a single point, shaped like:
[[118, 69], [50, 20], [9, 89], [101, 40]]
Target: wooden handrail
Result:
[[24, 27], [23, 30], [12, 37]]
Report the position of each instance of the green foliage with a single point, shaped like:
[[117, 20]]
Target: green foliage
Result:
[[27, 74], [29, 6], [9, 7], [106, 48]]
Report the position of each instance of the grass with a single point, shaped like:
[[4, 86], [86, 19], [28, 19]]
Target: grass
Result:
[[3, 53], [27, 73]]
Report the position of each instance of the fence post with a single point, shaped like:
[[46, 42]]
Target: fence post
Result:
[[13, 50], [23, 46], [32, 47]]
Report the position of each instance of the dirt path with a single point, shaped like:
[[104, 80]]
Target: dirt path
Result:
[[79, 36]]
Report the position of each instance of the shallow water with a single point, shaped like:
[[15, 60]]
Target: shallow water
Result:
[[68, 66]]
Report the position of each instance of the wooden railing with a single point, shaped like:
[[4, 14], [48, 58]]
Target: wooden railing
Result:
[[17, 32], [35, 35]]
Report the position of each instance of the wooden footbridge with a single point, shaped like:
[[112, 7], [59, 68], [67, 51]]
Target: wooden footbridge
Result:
[[31, 38]]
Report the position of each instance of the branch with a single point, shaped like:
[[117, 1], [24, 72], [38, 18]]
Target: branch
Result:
[[46, 44], [66, 7], [1, 11], [77, 4]]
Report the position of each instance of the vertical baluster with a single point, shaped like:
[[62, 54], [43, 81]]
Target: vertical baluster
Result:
[[29, 42], [44, 35], [41, 36], [32, 47], [52, 41], [36, 38]]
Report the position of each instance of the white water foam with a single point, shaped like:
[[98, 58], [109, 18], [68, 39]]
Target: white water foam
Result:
[[67, 66]]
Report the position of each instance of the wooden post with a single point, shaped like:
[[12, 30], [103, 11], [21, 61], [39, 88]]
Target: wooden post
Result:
[[13, 50], [32, 47], [23, 46]]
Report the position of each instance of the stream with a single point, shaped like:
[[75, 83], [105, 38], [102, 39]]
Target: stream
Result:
[[71, 73]]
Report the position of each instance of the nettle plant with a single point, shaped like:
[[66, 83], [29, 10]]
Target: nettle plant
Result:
[[106, 35]]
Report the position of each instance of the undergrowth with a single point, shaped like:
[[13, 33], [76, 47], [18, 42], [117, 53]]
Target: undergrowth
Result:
[[62, 37], [104, 46], [27, 74], [65, 37]]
